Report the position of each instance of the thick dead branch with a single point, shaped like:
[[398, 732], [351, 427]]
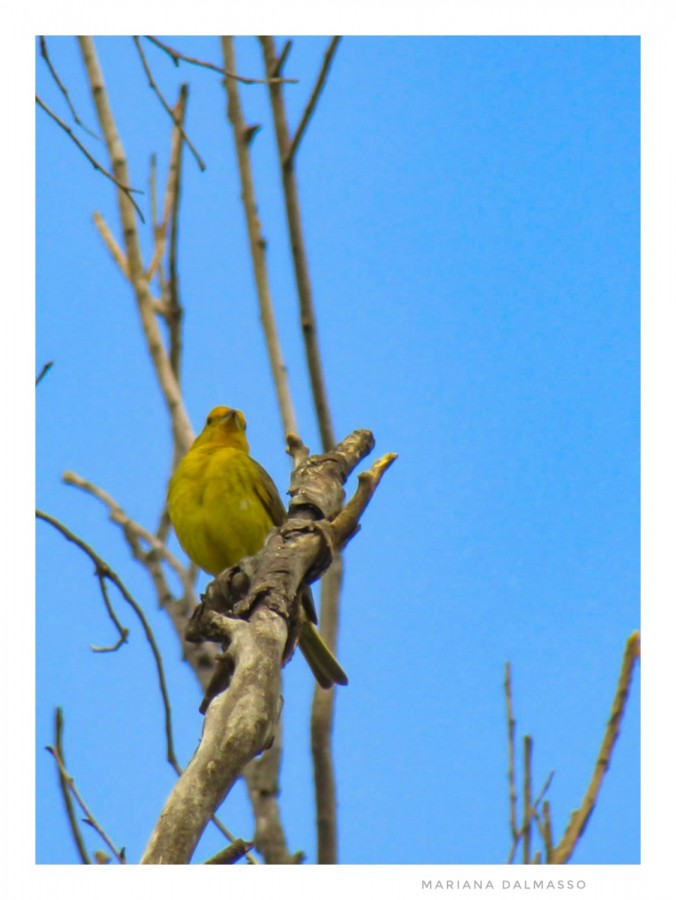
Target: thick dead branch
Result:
[[253, 611], [238, 725]]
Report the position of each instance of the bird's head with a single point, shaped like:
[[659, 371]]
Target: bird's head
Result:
[[225, 426]]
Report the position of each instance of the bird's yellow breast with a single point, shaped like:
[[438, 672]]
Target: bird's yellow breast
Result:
[[216, 507]]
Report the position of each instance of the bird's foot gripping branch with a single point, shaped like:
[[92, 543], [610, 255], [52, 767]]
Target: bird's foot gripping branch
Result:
[[258, 610], [296, 553]]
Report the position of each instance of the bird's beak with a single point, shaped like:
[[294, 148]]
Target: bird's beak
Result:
[[230, 416]]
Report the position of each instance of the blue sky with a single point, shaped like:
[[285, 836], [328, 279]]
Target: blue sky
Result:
[[471, 208]]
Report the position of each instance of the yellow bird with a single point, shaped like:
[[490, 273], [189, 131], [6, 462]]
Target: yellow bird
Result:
[[223, 504]]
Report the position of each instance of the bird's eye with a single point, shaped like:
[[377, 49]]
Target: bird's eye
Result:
[[209, 420]]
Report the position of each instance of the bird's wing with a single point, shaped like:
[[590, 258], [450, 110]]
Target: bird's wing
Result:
[[269, 495]]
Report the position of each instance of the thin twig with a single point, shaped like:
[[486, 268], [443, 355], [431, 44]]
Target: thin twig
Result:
[[43, 371], [511, 727], [547, 834], [127, 191], [526, 828], [122, 631], [231, 854], [226, 72], [283, 56], [257, 245], [67, 799], [45, 55], [175, 313], [579, 817], [321, 726], [200, 657], [151, 81], [102, 566], [89, 818], [312, 102], [133, 530], [109, 240], [543, 790]]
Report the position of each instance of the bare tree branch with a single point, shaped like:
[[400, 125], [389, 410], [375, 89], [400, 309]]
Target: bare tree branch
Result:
[[579, 817], [262, 781], [43, 371], [45, 55], [322, 706], [127, 191], [526, 827], [511, 777], [312, 102], [109, 240], [65, 790], [89, 818], [175, 119], [253, 610], [300, 262], [231, 854], [227, 72], [562, 852], [182, 430], [257, 244], [105, 570]]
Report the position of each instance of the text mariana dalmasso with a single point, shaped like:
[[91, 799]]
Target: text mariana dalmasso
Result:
[[537, 884]]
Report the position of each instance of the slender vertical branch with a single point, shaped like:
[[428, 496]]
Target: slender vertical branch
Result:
[[323, 701], [527, 826], [300, 263], [511, 778], [257, 243], [65, 790], [175, 311], [269, 833], [262, 781], [182, 429], [321, 729]]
